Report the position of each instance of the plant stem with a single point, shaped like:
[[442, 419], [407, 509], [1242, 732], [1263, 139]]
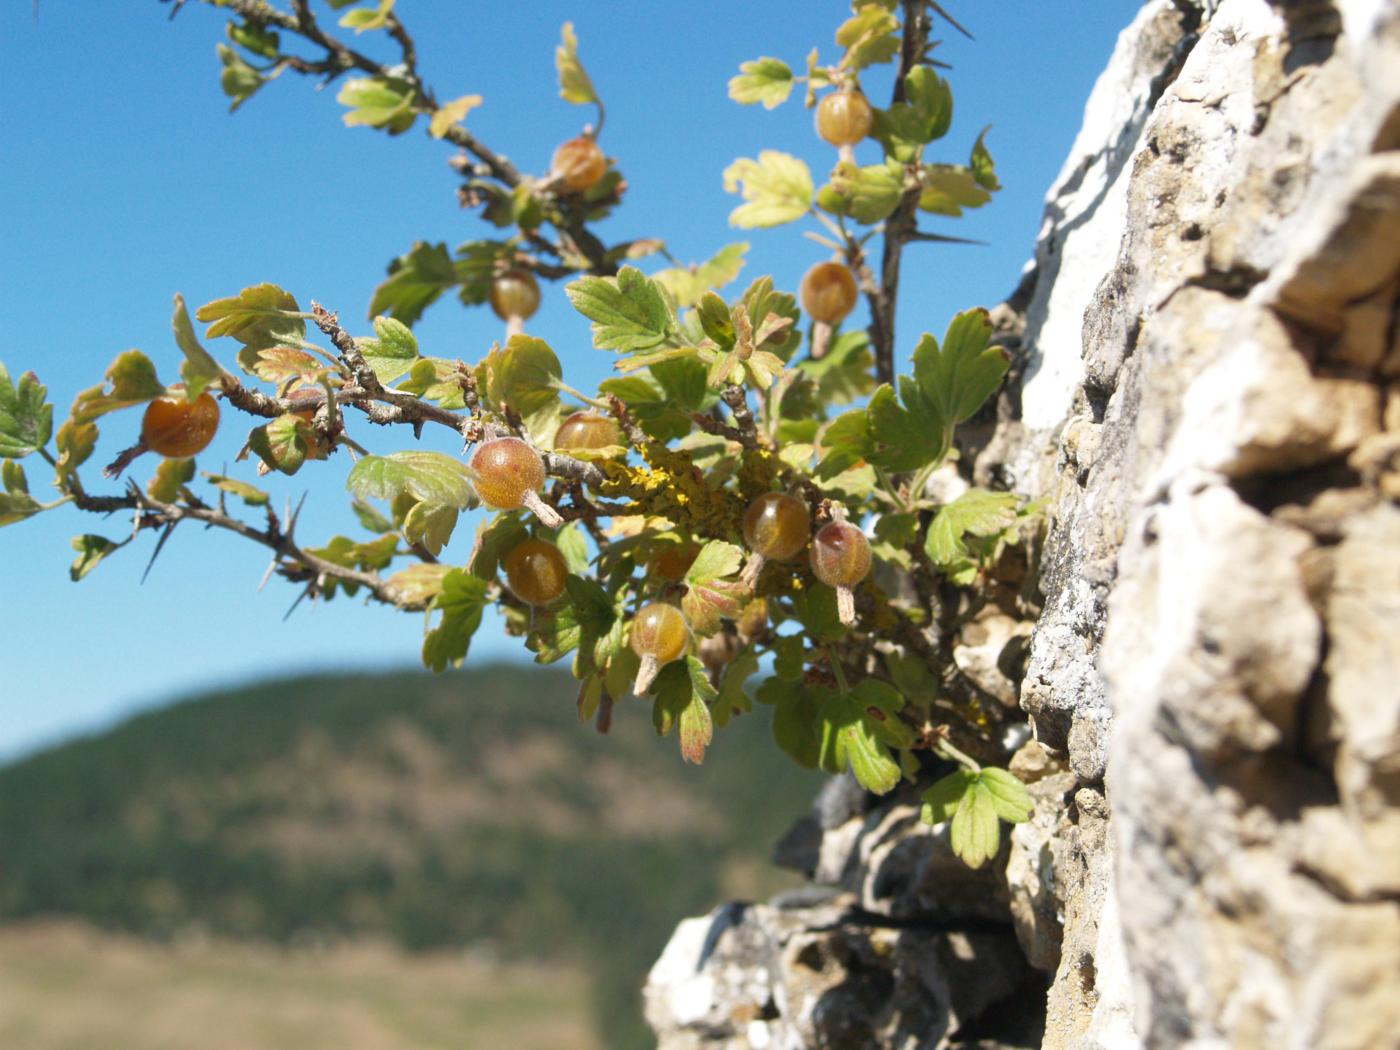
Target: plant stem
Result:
[[948, 751]]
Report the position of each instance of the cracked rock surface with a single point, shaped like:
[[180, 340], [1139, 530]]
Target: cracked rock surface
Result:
[[1206, 391]]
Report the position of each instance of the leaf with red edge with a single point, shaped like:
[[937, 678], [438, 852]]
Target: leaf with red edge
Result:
[[710, 596]]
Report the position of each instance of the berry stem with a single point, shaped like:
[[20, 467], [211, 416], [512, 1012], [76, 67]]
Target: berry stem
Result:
[[646, 674], [515, 325], [749, 577], [547, 514], [821, 339], [846, 606]]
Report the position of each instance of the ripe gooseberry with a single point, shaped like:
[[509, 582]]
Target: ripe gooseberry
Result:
[[829, 293], [509, 474], [579, 163], [587, 430], [178, 428], [515, 296], [841, 559], [776, 525], [535, 572], [844, 118], [659, 635]]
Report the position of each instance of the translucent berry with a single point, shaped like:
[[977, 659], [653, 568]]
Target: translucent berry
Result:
[[776, 525], [535, 572], [515, 293], [509, 474], [674, 562], [841, 559], [659, 635], [177, 428], [829, 292], [844, 117], [587, 430], [840, 554], [579, 163]]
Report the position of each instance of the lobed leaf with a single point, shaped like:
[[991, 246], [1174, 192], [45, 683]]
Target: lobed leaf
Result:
[[91, 550], [629, 312], [26, 418], [262, 315], [765, 80], [575, 85], [777, 187], [416, 279], [429, 477], [459, 603]]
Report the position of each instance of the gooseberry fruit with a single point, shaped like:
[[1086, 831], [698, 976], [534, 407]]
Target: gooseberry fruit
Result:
[[579, 163], [829, 292], [844, 117], [177, 428], [509, 474], [587, 430], [515, 296], [535, 572], [674, 562], [659, 635], [841, 559], [776, 525]]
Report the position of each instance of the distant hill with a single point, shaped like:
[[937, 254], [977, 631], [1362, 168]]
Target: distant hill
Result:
[[466, 809]]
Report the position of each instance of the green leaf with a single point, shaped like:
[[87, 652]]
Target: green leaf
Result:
[[941, 800], [1009, 796], [131, 380], [895, 537], [14, 477], [903, 439], [974, 832], [91, 550], [75, 442], [984, 171], [171, 477], [629, 312], [683, 693], [733, 699], [654, 409], [554, 633], [239, 80], [766, 80], [859, 728], [199, 368], [789, 657], [429, 477], [869, 36], [574, 83], [365, 18], [495, 538], [797, 726], [258, 39], [976, 512], [476, 267], [415, 280], [451, 113], [573, 546], [957, 379], [459, 604], [777, 186], [845, 443], [906, 127], [16, 506], [816, 610], [949, 188], [687, 285], [393, 352], [379, 102], [26, 419], [249, 494], [259, 316], [418, 584], [868, 195], [710, 596], [430, 525], [370, 519], [525, 375], [286, 443]]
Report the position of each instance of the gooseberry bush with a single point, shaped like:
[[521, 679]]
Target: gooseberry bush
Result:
[[749, 511]]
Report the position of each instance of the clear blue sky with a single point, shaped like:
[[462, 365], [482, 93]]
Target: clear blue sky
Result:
[[123, 180]]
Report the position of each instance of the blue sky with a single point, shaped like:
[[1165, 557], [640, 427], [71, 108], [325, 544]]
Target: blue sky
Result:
[[123, 180]]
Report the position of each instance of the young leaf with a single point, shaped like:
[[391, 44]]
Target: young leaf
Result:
[[131, 380], [941, 800], [429, 477], [906, 127], [451, 113], [260, 316], [766, 80], [460, 603], [91, 550], [14, 477], [869, 36], [16, 506], [171, 476], [777, 186], [574, 83], [418, 584], [629, 312], [958, 378], [974, 802], [415, 280], [284, 365], [974, 832], [378, 102], [365, 18], [257, 39], [286, 443], [199, 369], [687, 285], [949, 188], [75, 442], [976, 512], [868, 195], [710, 596], [249, 494], [525, 375], [393, 352], [984, 171], [239, 80], [1009, 796], [370, 519], [26, 419]]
